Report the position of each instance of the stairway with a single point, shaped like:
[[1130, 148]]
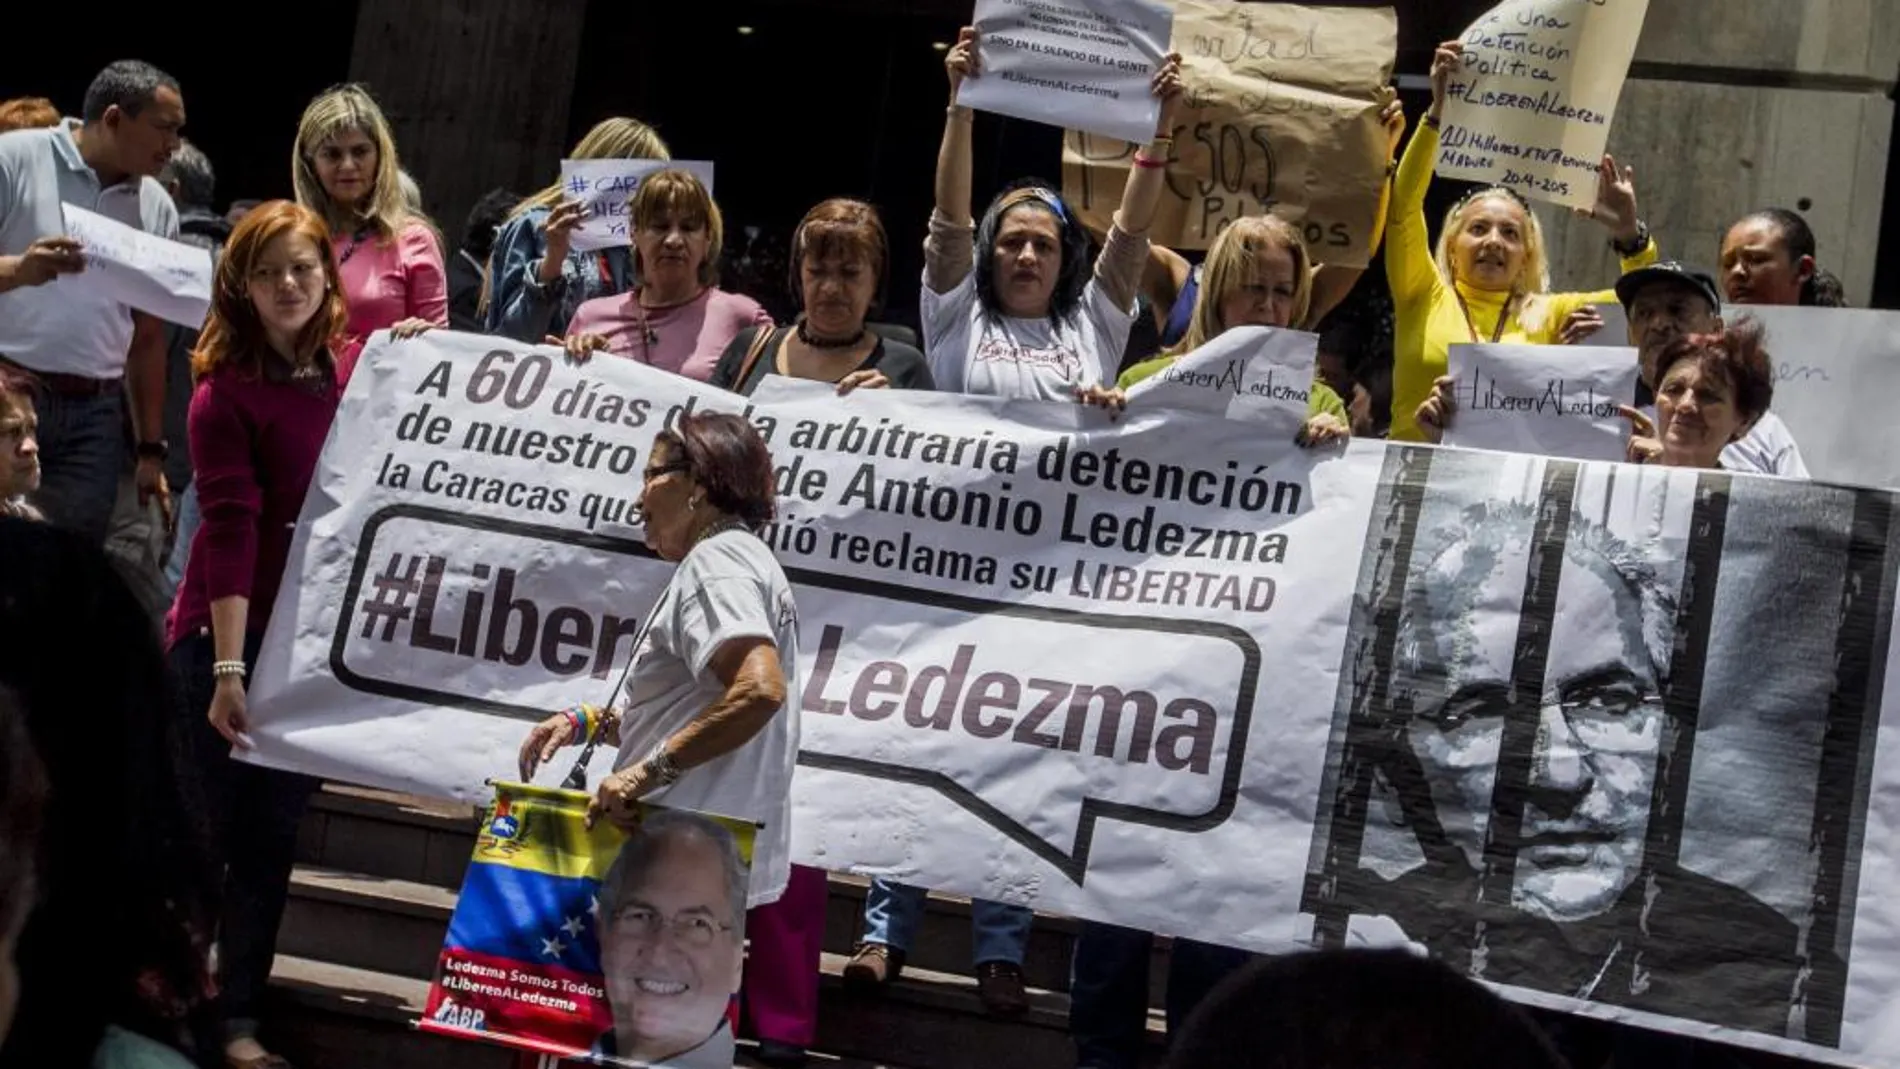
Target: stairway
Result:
[[376, 881]]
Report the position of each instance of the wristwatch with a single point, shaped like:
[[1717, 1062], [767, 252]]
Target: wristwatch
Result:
[[1636, 245], [158, 450], [660, 768]]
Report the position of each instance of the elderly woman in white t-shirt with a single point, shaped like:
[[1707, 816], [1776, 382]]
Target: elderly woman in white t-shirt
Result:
[[703, 722], [1011, 307]]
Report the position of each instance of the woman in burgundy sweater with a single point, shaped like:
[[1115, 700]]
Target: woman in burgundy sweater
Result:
[[266, 391]]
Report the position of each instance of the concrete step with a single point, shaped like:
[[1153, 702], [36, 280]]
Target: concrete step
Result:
[[326, 1016], [943, 939], [371, 901], [934, 1020], [396, 927], [381, 833], [392, 927], [404, 845]]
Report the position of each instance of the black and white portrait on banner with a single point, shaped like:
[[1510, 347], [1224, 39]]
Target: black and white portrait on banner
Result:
[[1605, 733]]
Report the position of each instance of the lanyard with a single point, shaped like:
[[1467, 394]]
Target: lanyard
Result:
[[1504, 316], [577, 776], [350, 249]]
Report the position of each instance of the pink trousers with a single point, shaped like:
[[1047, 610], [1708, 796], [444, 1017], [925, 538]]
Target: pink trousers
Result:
[[782, 962]]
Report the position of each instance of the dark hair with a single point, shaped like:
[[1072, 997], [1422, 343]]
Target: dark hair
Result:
[[840, 227], [126, 878], [22, 800], [128, 83], [726, 455], [1821, 289], [478, 232], [1736, 353], [191, 169], [1386, 1008], [1076, 265]]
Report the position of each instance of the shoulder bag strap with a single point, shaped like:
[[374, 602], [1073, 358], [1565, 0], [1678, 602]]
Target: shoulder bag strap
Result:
[[761, 341]]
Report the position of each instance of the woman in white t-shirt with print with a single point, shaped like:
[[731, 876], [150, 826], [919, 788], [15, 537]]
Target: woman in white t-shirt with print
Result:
[[703, 722], [1011, 307]]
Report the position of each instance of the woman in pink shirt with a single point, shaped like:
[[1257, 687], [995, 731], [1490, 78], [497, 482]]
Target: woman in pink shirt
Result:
[[346, 170], [675, 318]]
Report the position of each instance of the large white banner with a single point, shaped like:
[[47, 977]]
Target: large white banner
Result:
[[1524, 713]]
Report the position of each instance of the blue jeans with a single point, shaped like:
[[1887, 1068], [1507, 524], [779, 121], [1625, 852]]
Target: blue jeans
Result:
[[1108, 990], [82, 454], [188, 519], [998, 932]]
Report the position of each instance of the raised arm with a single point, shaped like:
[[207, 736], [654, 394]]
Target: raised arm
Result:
[[1332, 282], [525, 280], [1124, 256], [1615, 208], [949, 247], [1408, 250]]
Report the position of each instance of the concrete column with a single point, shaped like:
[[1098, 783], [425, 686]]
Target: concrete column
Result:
[[477, 90], [1750, 104]]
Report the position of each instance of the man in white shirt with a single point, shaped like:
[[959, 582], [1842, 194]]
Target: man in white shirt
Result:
[[1671, 300], [86, 351]]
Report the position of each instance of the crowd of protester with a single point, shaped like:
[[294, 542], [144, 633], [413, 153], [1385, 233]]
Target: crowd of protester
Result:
[[186, 453]]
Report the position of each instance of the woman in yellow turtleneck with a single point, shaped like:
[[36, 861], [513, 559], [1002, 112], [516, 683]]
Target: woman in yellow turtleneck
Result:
[[1488, 279]]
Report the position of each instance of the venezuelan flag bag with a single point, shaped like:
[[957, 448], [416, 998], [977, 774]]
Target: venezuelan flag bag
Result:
[[594, 944]]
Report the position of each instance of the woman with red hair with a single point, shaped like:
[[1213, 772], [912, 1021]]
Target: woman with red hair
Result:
[[27, 113], [1710, 390], [266, 390]]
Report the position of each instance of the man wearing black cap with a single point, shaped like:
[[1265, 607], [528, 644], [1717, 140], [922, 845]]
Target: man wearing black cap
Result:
[[1670, 300]]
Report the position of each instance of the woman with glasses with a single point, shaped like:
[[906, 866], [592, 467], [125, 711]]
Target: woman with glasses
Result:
[[1489, 279], [701, 722]]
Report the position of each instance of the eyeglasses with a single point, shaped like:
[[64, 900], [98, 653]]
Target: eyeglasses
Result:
[[694, 930], [1609, 716], [653, 473]]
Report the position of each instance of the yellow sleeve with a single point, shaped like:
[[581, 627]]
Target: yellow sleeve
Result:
[[1145, 369], [1562, 304], [1324, 400], [1409, 270]]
